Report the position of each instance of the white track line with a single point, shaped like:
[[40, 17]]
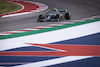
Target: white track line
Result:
[[54, 61], [41, 8]]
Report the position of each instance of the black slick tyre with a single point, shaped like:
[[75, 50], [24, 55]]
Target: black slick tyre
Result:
[[68, 16], [41, 17], [60, 17]]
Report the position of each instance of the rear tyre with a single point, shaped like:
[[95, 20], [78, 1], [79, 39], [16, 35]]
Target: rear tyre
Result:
[[60, 17], [68, 16]]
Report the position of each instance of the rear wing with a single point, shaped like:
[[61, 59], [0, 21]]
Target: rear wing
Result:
[[62, 10]]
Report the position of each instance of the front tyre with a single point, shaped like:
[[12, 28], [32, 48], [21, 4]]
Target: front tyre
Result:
[[41, 18]]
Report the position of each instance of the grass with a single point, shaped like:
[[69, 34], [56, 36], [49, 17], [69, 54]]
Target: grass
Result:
[[7, 7]]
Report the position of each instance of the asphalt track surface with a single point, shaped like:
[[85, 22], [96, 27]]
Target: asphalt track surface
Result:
[[79, 9]]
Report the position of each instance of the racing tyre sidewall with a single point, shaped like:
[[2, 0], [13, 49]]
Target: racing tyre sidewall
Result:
[[68, 16], [60, 17], [41, 16]]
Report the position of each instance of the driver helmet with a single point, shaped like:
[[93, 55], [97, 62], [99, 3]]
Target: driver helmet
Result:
[[55, 9]]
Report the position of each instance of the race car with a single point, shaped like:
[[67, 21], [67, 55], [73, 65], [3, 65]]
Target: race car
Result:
[[55, 15]]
